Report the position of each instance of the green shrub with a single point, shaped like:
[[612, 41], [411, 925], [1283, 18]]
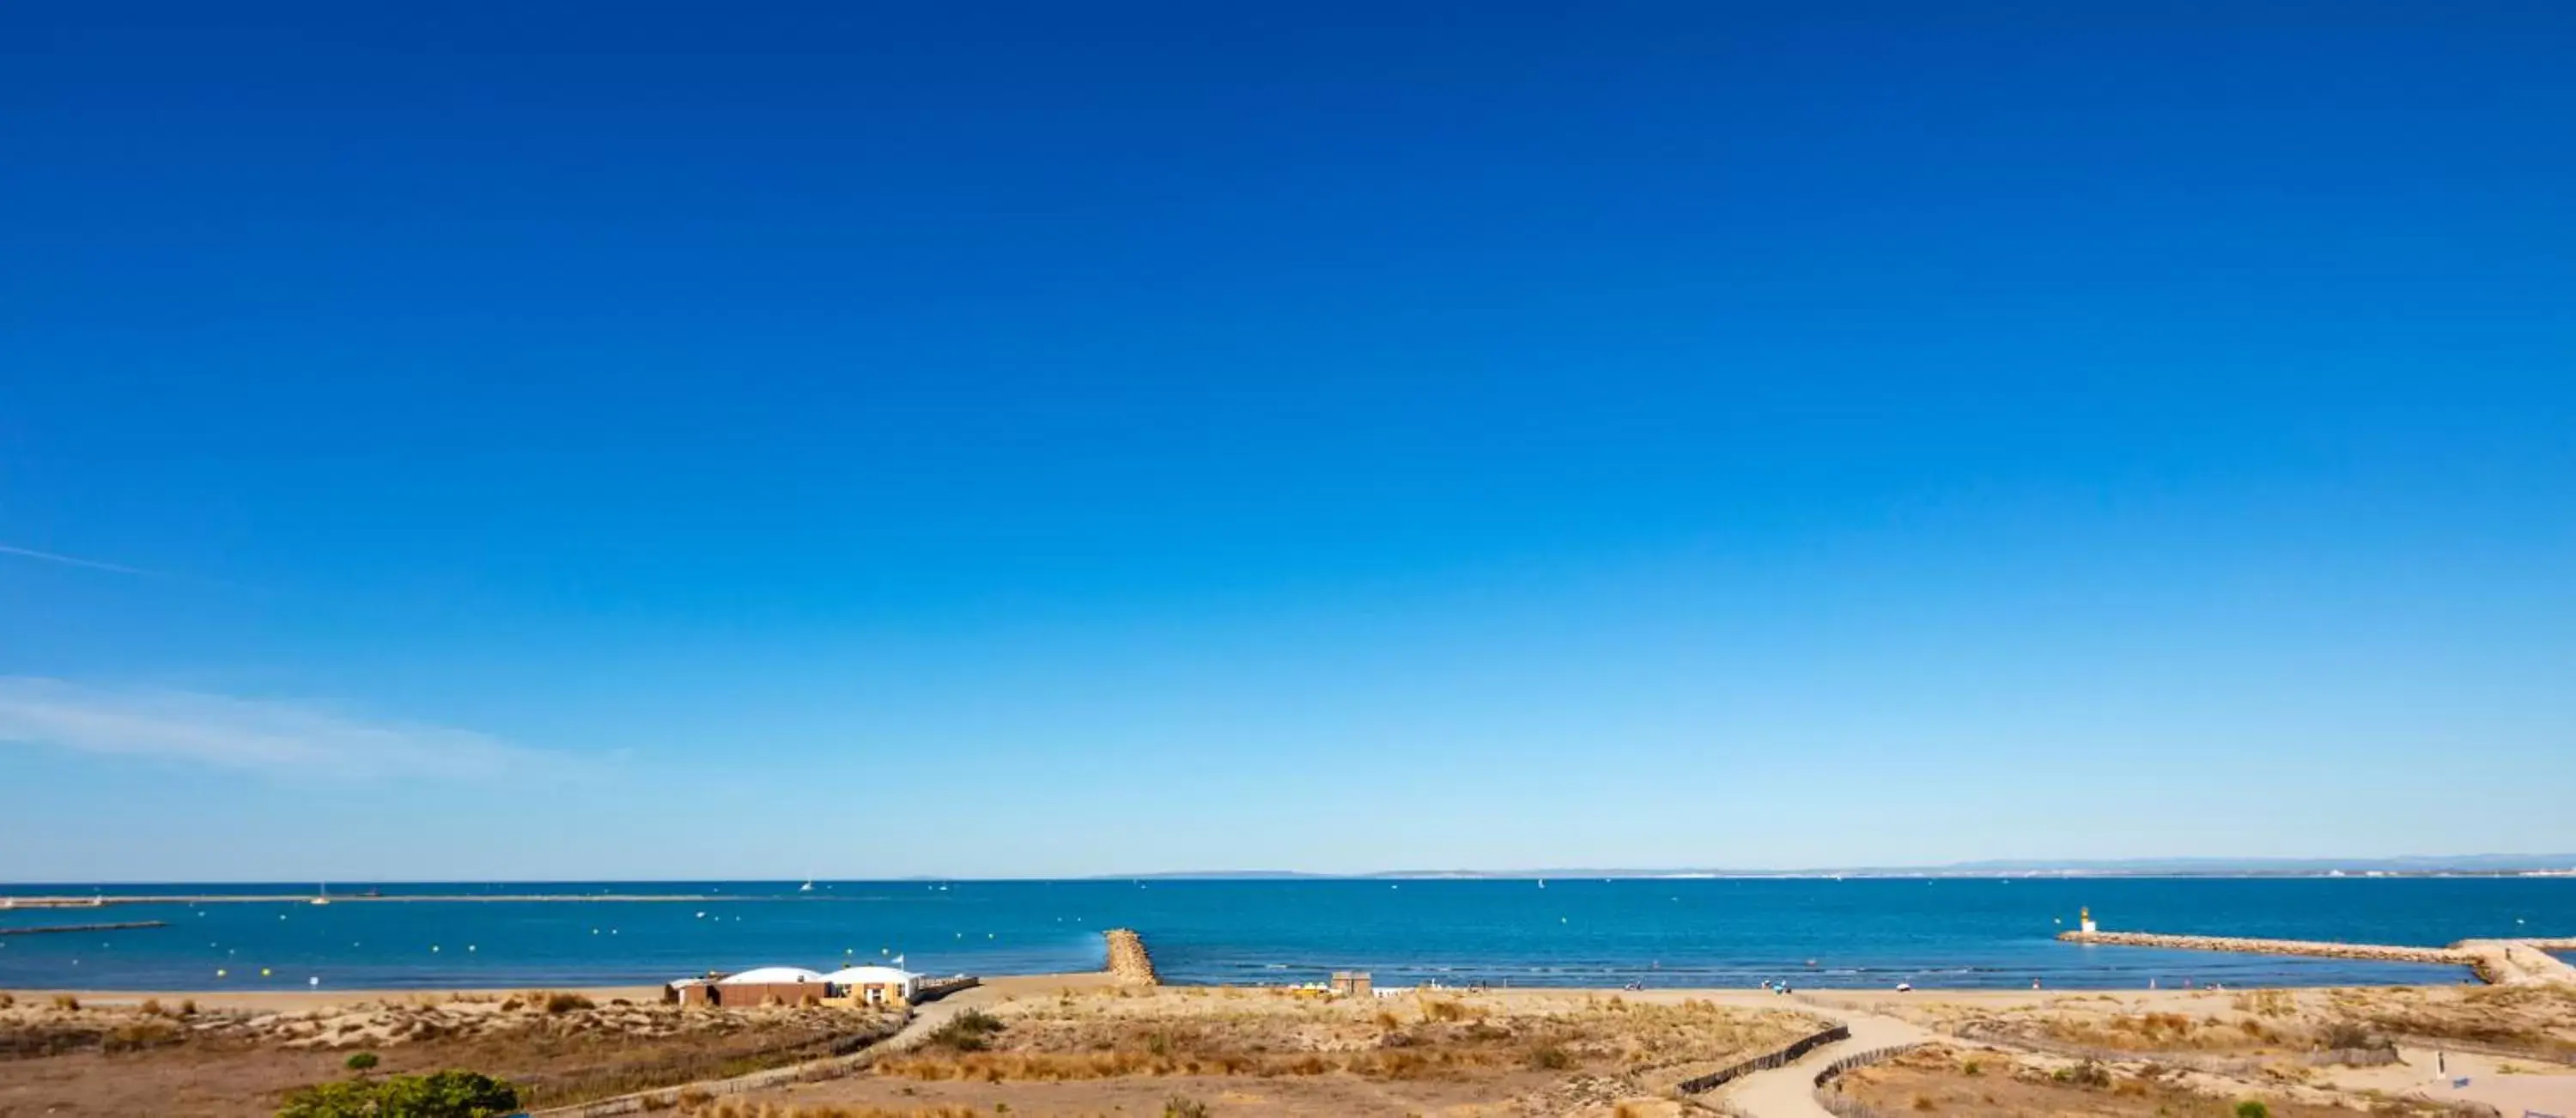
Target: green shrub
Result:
[[2089, 1074], [446, 1094], [2252, 1109], [362, 1061], [970, 1031]]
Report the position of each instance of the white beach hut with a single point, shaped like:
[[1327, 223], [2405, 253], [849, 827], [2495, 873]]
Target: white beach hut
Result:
[[755, 987], [770, 976], [875, 985]]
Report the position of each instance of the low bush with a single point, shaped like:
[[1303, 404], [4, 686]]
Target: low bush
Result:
[[361, 1061], [1442, 1009], [562, 1001], [446, 1094], [971, 1031], [139, 1035], [2090, 1075], [1549, 1057]]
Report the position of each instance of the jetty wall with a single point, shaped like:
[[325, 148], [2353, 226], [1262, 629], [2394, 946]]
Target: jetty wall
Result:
[[47, 929], [2495, 961], [1128, 959], [2370, 952]]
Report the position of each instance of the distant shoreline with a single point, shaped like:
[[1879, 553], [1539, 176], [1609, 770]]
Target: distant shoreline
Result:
[[85, 899], [105, 899], [2472, 866]]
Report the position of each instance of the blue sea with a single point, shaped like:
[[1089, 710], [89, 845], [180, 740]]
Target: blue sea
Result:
[[1696, 932]]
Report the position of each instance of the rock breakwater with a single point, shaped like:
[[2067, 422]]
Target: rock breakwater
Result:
[[2497, 961], [1128, 960]]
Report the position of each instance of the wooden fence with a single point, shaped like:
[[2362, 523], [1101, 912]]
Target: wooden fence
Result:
[[1835, 1070], [933, 989], [1841, 1105], [1781, 1058]]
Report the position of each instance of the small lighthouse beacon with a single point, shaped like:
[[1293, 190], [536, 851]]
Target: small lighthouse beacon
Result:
[[2084, 919]]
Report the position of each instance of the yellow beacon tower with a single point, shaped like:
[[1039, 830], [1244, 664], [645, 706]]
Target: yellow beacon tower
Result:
[[2084, 919]]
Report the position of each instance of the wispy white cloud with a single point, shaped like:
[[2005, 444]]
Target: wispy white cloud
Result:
[[75, 561], [264, 734]]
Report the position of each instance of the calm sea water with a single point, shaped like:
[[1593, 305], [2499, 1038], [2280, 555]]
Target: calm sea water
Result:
[[1950, 932]]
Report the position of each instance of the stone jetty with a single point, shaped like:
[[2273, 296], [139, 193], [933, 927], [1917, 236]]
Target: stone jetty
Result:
[[2497, 961], [47, 929], [1128, 960]]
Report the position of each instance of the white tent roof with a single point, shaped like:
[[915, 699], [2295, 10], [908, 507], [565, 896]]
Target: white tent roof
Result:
[[764, 976], [852, 976]]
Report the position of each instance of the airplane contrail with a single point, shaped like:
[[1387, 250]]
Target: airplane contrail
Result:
[[68, 560]]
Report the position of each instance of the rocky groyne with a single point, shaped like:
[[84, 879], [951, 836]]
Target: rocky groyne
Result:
[[1128, 960], [45, 929], [2497, 961]]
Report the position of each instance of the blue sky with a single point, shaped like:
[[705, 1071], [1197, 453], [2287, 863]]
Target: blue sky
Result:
[[823, 439]]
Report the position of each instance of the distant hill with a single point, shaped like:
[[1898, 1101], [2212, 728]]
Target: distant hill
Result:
[[2412, 865]]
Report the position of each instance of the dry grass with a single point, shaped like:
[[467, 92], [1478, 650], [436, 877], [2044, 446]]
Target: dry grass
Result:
[[2538, 1022], [1276, 1035], [2167, 1032], [135, 1036], [1934, 1080], [559, 1049], [734, 1109]]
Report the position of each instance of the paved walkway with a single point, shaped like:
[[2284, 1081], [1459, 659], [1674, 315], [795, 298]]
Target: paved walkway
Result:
[[1790, 1091]]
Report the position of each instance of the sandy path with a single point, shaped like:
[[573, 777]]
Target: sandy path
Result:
[[1790, 1091], [924, 1021]]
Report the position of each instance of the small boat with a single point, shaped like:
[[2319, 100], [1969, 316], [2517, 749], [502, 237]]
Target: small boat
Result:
[[808, 887], [322, 893]]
